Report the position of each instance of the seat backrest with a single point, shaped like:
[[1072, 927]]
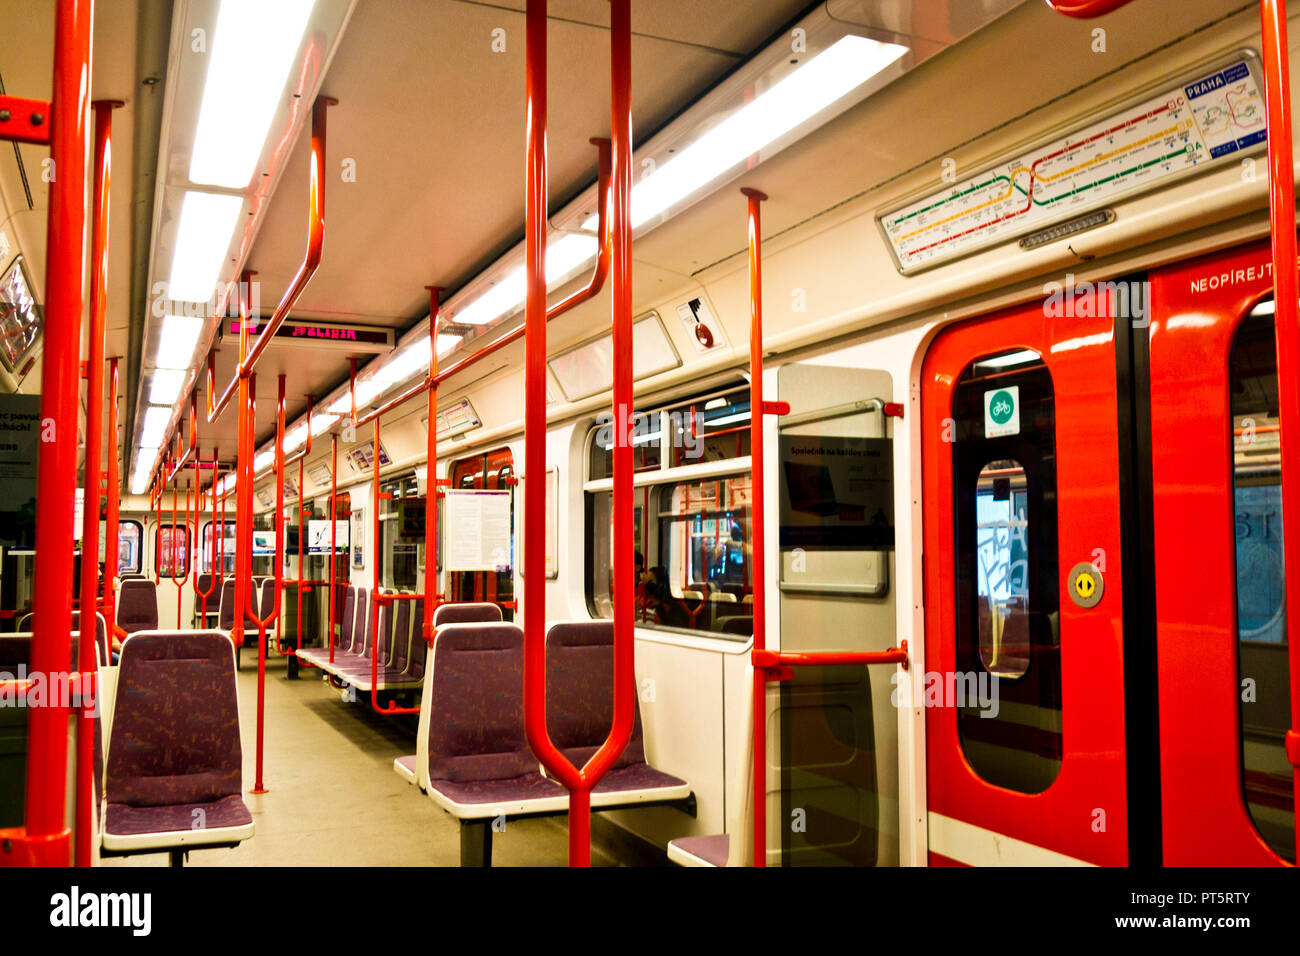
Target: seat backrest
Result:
[[387, 618], [137, 606], [476, 704], [419, 647], [226, 619], [469, 613], [156, 759], [101, 634], [399, 639], [347, 612], [266, 602], [25, 622], [361, 627], [580, 691]]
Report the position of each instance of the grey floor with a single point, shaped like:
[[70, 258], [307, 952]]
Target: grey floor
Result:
[[333, 798]]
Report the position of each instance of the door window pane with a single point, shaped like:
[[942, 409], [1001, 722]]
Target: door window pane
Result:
[[1006, 682], [1264, 683]]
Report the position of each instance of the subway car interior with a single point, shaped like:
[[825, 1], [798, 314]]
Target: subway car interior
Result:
[[862, 446]]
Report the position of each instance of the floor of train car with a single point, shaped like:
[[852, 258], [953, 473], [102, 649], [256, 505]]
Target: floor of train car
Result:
[[334, 798]]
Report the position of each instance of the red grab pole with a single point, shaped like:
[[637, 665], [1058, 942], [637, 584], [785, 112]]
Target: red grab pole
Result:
[[431, 477], [334, 490], [579, 783], [1085, 9], [91, 488], [45, 837], [112, 513], [1281, 203], [756, 540]]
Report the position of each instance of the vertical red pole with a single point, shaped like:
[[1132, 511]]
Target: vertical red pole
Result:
[[1281, 201], [375, 606], [431, 479], [756, 541], [297, 641], [624, 544], [57, 454], [91, 485], [334, 490], [243, 481], [112, 514]]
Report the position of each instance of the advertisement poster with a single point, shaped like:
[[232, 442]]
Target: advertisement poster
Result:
[[836, 492], [358, 553], [318, 536], [19, 439]]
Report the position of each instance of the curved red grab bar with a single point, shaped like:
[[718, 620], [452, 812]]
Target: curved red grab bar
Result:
[[579, 782], [1085, 9], [310, 262]]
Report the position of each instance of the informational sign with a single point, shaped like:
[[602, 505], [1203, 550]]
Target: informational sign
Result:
[[456, 419], [478, 530], [1210, 118], [836, 492], [1002, 411], [320, 474], [20, 418], [353, 338], [318, 536], [358, 536], [362, 458]]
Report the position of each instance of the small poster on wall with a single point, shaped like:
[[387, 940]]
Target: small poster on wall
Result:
[[318, 536], [478, 530], [358, 552], [362, 458]]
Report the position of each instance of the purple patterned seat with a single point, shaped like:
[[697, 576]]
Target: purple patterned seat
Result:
[[580, 711], [413, 768], [479, 763], [394, 651], [173, 784], [710, 850], [101, 636], [319, 656], [137, 606]]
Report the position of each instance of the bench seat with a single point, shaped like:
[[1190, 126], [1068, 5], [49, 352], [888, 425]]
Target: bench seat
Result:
[[710, 850]]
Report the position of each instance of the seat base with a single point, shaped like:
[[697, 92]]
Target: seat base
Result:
[[710, 850], [127, 829]]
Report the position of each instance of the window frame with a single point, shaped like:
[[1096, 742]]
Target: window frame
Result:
[[139, 552], [157, 549]]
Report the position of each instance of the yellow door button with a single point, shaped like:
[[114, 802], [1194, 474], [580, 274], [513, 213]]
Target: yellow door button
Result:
[[1085, 584]]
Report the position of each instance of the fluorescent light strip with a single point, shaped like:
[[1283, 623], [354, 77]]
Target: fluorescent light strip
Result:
[[562, 257], [832, 74], [154, 429], [165, 386], [203, 233], [254, 47], [726, 419], [176, 341], [367, 391]]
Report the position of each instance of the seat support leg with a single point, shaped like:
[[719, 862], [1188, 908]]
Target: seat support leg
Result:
[[476, 843], [176, 857]]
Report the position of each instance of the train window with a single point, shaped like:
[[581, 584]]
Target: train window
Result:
[[130, 535], [222, 547], [172, 550], [1002, 567], [401, 523], [1008, 636], [494, 470], [692, 533], [1264, 678]]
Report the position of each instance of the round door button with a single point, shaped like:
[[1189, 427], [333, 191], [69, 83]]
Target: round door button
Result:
[[1086, 585]]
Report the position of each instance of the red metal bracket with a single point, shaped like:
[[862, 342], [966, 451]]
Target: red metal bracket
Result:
[[19, 848], [776, 408], [1293, 748], [24, 121], [1085, 9], [893, 409]]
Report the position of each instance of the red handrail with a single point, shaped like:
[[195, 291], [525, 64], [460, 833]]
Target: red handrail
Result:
[[775, 659], [1281, 202], [310, 262], [179, 582], [44, 839], [579, 782], [431, 477], [334, 489], [593, 288], [185, 457], [219, 531], [113, 513]]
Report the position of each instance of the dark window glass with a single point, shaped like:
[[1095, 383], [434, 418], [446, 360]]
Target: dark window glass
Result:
[[130, 536], [693, 561], [220, 548], [710, 429], [1006, 683], [401, 523], [1264, 685]]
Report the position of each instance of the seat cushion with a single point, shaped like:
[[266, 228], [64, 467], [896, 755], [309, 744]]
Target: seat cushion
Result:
[[710, 850], [124, 820]]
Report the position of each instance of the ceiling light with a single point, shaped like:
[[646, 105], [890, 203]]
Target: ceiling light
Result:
[[832, 74], [254, 46], [405, 363], [207, 222], [263, 461], [562, 257], [321, 423], [166, 386], [367, 391], [176, 341], [154, 429], [295, 437]]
